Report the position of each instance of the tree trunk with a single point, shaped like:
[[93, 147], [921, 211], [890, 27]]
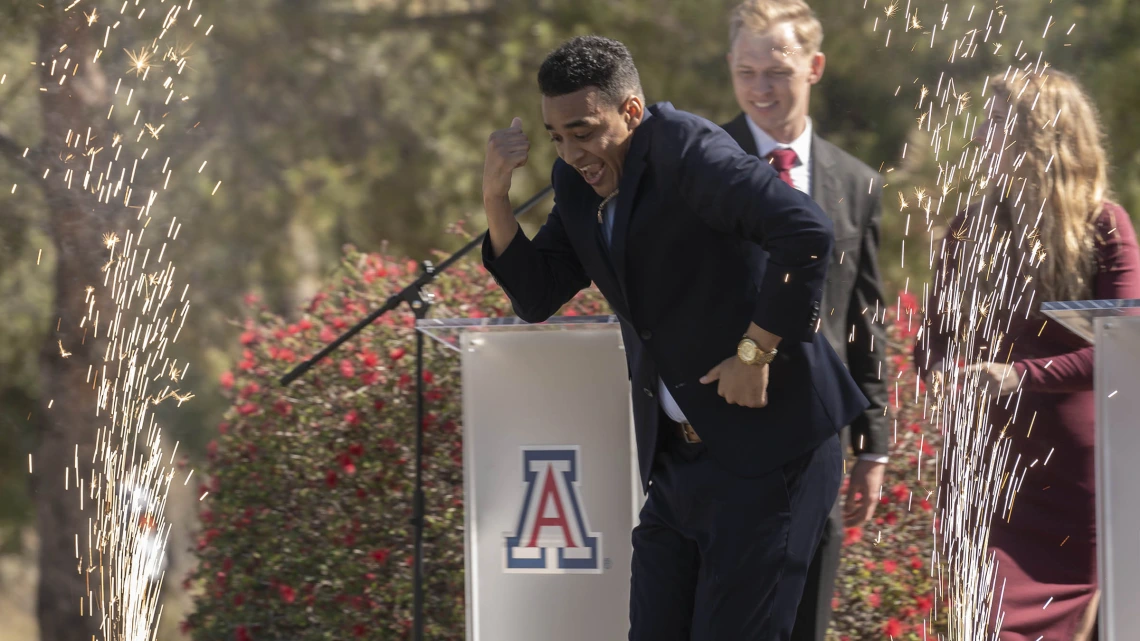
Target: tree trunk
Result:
[[68, 421]]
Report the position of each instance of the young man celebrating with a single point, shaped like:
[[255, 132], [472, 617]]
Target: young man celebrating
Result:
[[775, 59], [737, 400]]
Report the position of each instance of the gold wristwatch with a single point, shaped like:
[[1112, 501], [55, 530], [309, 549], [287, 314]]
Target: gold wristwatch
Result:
[[751, 354]]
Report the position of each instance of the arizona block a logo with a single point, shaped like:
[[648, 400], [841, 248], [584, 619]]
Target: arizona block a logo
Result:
[[552, 535]]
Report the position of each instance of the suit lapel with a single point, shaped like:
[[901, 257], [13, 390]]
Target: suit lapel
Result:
[[742, 134], [633, 169], [824, 188]]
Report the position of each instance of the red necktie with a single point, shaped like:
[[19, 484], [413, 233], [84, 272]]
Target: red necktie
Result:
[[782, 161]]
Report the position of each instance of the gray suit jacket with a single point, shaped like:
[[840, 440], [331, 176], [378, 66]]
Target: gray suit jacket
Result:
[[850, 193]]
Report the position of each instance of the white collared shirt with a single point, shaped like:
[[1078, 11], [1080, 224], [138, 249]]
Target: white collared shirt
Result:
[[765, 144]]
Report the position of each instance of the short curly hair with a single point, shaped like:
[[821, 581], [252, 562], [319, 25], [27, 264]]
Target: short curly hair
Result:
[[590, 61]]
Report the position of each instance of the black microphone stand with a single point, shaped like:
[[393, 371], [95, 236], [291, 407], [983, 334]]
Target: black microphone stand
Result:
[[420, 303]]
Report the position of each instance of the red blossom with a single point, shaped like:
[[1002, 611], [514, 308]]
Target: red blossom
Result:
[[923, 603], [356, 449], [900, 491], [874, 600], [370, 378], [242, 634], [239, 599], [891, 518], [346, 368], [380, 556], [890, 566], [287, 593], [852, 535], [327, 335], [397, 353], [368, 358], [347, 465], [248, 337], [283, 407], [248, 409], [330, 479], [893, 628], [916, 563], [925, 505], [429, 377], [352, 417], [226, 379]]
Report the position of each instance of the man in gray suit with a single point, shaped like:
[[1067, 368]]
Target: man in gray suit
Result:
[[775, 59]]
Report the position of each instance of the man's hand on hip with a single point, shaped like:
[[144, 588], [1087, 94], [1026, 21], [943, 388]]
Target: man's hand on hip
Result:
[[739, 383], [862, 492]]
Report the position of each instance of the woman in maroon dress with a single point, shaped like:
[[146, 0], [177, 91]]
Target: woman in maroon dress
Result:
[[1042, 228]]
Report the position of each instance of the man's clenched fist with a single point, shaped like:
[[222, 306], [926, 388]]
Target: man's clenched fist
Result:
[[507, 150]]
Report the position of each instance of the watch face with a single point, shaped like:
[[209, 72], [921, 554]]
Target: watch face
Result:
[[747, 351]]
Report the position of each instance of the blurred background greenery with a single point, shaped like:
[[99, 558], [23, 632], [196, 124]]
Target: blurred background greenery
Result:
[[364, 122]]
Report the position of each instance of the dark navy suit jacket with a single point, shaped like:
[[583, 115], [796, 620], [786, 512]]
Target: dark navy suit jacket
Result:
[[682, 278]]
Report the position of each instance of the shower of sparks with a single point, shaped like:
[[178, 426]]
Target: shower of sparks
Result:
[[974, 301], [125, 496]]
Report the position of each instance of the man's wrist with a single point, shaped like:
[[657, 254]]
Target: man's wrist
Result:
[[764, 339]]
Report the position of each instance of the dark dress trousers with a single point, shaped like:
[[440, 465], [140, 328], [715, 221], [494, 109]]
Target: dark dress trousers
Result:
[[730, 524], [850, 193]]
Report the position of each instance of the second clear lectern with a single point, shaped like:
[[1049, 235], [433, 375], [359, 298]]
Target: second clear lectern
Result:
[[1113, 326]]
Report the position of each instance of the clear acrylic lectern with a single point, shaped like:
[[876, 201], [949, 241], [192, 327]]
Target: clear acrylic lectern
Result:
[[550, 476], [1114, 327]]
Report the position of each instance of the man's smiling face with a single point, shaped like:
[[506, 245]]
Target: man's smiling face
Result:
[[592, 135]]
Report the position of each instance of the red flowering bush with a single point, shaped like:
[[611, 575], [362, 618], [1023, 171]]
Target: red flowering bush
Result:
[[306, 523], [885, 586]]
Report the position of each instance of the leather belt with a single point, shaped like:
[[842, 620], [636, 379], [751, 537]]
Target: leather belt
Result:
[[688, 434]]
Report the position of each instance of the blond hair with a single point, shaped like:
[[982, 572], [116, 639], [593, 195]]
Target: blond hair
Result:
[[1059, 175], [758, 16]]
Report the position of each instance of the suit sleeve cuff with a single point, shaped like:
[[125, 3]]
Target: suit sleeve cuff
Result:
[[788, 311], [517, 256], [874, 458]]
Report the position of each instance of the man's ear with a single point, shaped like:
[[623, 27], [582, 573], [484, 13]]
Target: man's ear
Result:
[[633, 110], [818, 63]]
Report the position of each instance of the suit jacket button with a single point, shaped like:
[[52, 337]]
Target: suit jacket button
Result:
[[646, 334], [648, 392]]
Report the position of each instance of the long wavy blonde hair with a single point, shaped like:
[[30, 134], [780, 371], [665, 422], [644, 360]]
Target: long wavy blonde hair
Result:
[[1060, 170]]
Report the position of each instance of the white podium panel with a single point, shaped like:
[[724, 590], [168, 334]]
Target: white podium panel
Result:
[[549, 478], [1117, 383]]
